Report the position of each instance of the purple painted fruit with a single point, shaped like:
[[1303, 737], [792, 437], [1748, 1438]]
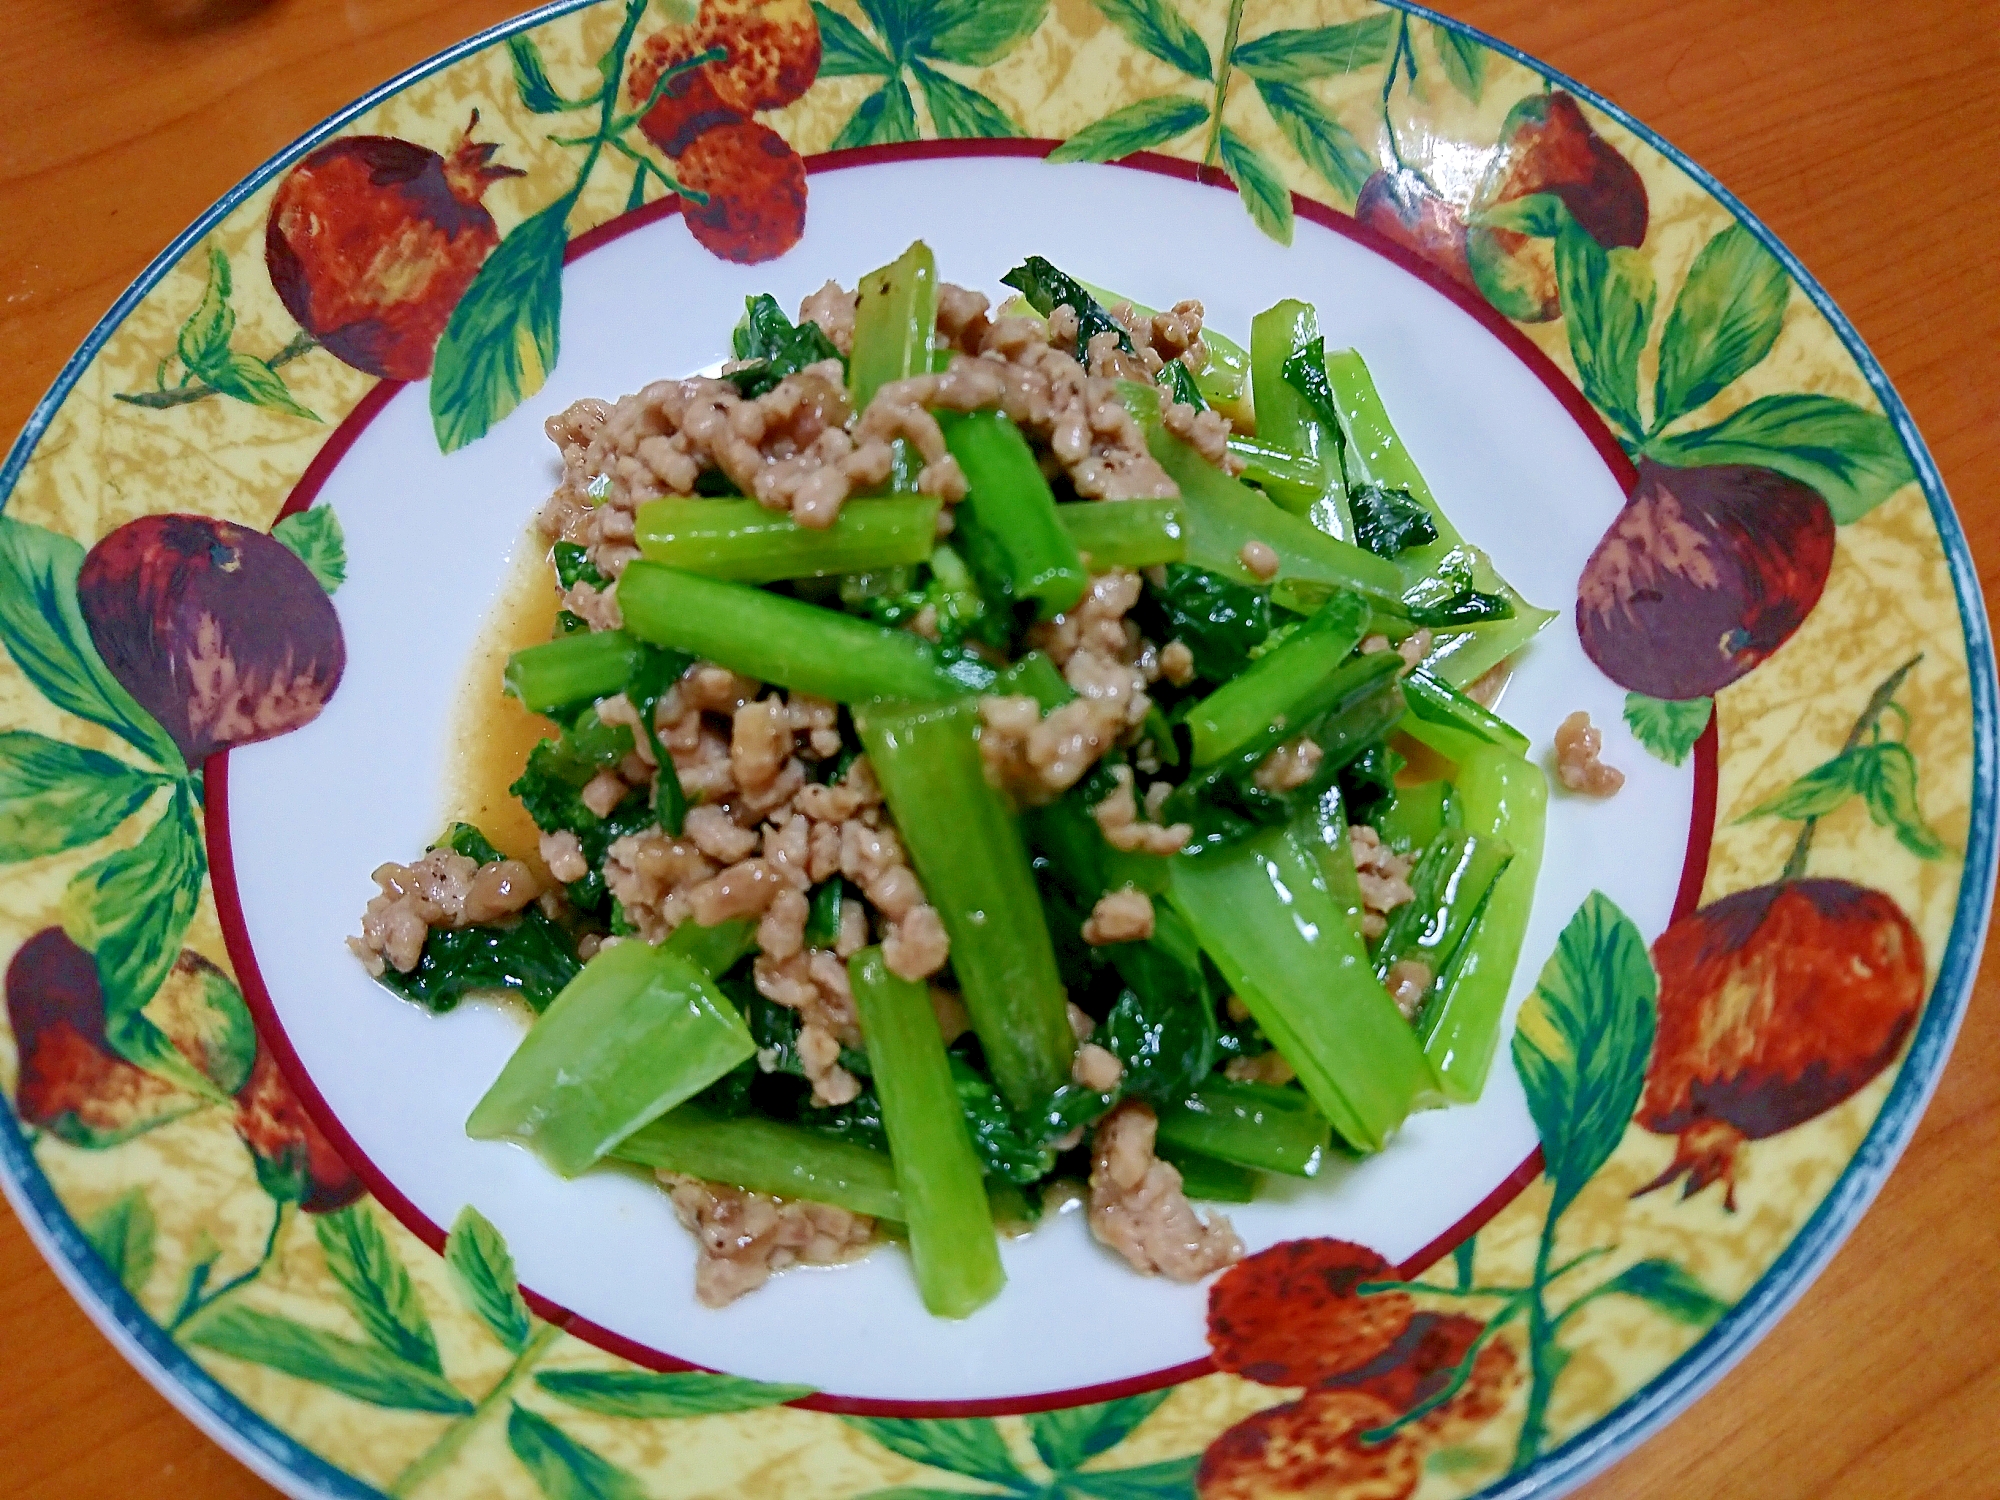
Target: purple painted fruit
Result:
[[1703, 575], [218, 631]]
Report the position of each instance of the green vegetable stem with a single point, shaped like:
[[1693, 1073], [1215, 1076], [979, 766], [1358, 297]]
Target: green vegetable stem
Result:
[[768, 1156], [1125, 533], [1250, 1124], [1009, 506], [746, 542], [571, 669], [1281, 337]]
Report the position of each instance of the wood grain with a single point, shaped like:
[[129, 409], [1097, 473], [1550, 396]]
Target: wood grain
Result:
[[1864, 135]]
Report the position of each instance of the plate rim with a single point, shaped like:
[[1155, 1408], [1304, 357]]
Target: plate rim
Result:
[[284, 1461]]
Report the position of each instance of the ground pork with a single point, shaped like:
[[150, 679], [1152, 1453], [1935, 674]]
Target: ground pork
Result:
[[1119, 917], [1203, 429], [1137, 1206], [442, 889], [814, 983], [1266, 1067], [832, 307], [1413, 648], [1384, 876], [1096, 1068], [1578, 743], [744, 1238], [1409, 981], [1260, 559], [961, 317], [1291, 765], [1177, 663], [1118, 820]]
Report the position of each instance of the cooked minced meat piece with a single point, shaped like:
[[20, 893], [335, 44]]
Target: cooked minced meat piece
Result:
[[1578, 743], [442, 889], [745, 1238], [1119, 917], [1384, 876], [1138, 1209]]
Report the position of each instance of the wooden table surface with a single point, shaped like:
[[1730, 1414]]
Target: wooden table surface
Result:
[[1865, 135]]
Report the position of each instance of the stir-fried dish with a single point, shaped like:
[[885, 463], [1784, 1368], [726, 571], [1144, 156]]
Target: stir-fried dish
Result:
[[996, 758]]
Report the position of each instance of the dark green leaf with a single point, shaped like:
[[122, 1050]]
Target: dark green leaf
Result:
[[204, 338], [1136, 127], [642, 1394], [563, 1467], [55, 796], [1257, 182], [255, 383], [1607, 299], [1219, 620], [1670, 1288], [1066, 1438], [484, 1270], [900, 24], [1818, 792], [1853, 457], [573, 564], [361, 1371], [971, 1446], [1172, 1480], [131, 909], [44, 631], [377, 1288], [1323, 143], [1729, 313], [531, 79], [122, 1234], [1010, 1148], [1582, 1042], [314, 536], [1665, 727], [1388, 522], [845, 50], [1319, 51], [532, 955], [1046, 288], [779, 346], [958, 112], [1155, 26], [885, 117], [505, 334], [978, 33], [1463, 59], [1889, 782]]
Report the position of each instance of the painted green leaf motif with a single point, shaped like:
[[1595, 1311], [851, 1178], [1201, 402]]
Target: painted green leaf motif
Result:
[[1136, 127], [505, 334], [1301, 55], [1172, 1480], [361, 1371], [1819, 792], [1669, 1288], [1607, 299], [1729, 313], [531, 79], [1889, 782], [900, 24], [1463, 60], [1853, 457], [1582, 1043], [1067, 1438], [1263, 192], [55, 796], [480, 1262], [131, 910], [1323, 143], [563, 1467], [203, 343], [958, 112], [315, 538], [122, 1234], [979, 33], [912, 1492], [1539, 214], [43, 630], [1666, 727], [1155, 26], [377, 1288], [971, 1446], [845, 50], [642, 1394], [885, 117], [255, 383]]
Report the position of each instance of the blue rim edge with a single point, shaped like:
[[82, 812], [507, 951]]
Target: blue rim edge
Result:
[[1613, 1435]]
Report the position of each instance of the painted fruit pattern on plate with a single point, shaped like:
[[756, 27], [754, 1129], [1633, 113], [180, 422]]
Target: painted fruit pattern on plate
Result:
[[1774, 581]]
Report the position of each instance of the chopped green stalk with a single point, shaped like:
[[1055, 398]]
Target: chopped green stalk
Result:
[[952, 1243], [1452, 882], [639, 1031], [1416, 814], [1010, 501], [1281, 689], [768, 1156], [1324, 830], [775, 639], [1375, 455], [1251, 1124], [1462, 657], [1205, 1179], [1221, 514], [1279, 336], [746, 542], [1271, 466], [1125, 533], [895, 317], [1453, 724], [1503, 797], [1035, 676], [713, 950], [1263, 913], [571, 669], [1224, 381], [969, 854]]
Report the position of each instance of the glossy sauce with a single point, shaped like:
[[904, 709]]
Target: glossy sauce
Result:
[[491, 733]]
